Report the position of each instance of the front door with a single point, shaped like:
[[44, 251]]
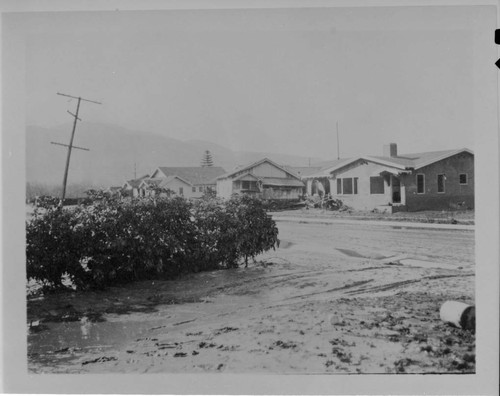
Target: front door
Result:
[[396, 190]]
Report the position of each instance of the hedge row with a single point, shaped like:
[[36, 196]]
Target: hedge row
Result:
[[109, 241]]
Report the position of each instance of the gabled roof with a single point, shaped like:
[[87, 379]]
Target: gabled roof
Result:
[[134, 183], [194, 175], [243, 175], [253, 165], [402, 162]]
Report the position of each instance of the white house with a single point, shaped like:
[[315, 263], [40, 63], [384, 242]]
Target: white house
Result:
[[200, 179], [175, 184], [422, 181]]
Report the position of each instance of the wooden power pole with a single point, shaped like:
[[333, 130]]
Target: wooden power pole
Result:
[[70, 146]]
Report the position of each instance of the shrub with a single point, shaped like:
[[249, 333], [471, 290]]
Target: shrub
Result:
[[106, 241]]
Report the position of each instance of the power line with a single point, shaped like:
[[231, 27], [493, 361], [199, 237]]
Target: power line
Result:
[[70, 145]]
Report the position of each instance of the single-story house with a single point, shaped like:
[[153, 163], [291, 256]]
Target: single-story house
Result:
[[175, 184], [200, 179], [114, 191], [264, 179], [131, 187], [438, 180]]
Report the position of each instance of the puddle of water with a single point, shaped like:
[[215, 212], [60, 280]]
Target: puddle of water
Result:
[[285, 244], [83, 335], [350, 253], [353, 253]]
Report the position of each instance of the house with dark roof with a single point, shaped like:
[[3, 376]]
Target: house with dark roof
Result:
[[438, 180], [131, 187], [200, 179], [264, 179]]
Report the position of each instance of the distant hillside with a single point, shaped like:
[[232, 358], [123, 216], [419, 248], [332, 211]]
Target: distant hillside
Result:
[[114, 151]]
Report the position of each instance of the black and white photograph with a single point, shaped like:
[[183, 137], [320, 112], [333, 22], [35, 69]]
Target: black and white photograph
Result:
[[252, 191]]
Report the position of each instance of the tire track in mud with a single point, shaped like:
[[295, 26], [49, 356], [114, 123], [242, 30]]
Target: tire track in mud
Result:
[[345, 287], [395, 285], [283, 278]]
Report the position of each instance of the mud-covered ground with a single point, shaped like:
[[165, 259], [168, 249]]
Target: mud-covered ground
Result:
[[332, 299]]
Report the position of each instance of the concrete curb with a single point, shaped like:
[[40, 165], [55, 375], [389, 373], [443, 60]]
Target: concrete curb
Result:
[[397, 224]]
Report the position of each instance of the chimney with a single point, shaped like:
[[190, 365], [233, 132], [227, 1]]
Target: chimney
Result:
[[391, 150]]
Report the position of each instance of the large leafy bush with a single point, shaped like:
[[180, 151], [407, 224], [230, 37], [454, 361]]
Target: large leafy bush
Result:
[[107, 241]]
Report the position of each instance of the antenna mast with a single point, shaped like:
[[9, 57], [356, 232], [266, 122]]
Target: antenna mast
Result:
[[70, 146], [338, 147]]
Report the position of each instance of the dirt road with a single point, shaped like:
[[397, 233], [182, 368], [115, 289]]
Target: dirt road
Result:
[[334, 298]]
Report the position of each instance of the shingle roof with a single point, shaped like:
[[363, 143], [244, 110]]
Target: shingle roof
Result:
[[134, 183], [194, 175], [254, 164], [403, 161], [302, 171], [419, 160]]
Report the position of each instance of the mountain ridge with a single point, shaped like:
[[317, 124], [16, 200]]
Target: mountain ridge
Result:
[[118, 154]]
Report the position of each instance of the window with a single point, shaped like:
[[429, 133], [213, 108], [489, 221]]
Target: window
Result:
[[347, 185], [420, 184], [194, 189], [248, 185], [462, 178], [440, 181], [376, 185], [181, 191], [200, 189]]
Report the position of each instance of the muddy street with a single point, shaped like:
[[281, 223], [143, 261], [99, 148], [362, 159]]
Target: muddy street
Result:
[[334, 298]]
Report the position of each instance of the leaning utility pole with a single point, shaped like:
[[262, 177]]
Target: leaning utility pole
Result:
[[70, 146]]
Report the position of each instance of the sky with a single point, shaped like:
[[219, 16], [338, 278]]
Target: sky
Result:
[[274, 80]]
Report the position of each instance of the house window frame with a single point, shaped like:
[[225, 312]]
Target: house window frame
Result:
[[423, 182], [466, 179], [444, 183], [193, 189], [181, 191], [383, 185], [341, 189], [345, 183], [252, 185], [200, 189]]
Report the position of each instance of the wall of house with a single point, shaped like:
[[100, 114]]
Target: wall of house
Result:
[[455, 194], [224, 188], [173, 185], [176, 184], [363, 200]]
